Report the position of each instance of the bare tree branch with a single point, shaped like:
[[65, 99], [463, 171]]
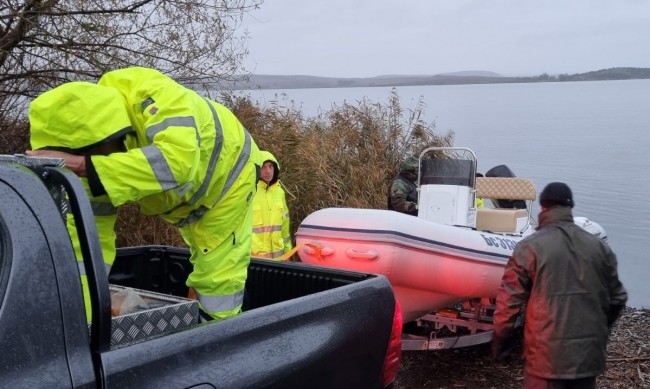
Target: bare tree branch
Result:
[[46, 42]]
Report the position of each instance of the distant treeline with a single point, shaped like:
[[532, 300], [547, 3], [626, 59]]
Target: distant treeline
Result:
[[296, 82]]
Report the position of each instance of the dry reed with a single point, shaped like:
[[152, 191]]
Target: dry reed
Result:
[[344, 157]]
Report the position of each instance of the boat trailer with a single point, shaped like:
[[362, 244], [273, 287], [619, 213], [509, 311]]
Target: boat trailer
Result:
[[462, 325]]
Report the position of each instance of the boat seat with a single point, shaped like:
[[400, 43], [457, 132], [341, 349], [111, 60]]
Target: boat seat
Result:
[[505, 188], [501, 220], [505, 220]]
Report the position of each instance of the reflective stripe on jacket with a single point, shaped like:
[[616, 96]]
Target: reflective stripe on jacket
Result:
[[271, 223]]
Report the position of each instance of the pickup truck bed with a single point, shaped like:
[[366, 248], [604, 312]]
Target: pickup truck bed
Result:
[[302, 325]]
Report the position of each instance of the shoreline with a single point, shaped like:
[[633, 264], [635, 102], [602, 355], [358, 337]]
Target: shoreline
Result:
[[628, 362]]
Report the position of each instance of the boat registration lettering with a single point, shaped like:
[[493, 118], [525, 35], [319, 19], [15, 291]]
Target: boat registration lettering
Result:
[[495, 241]]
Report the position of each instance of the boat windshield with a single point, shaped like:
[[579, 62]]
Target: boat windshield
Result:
[[447, 172]]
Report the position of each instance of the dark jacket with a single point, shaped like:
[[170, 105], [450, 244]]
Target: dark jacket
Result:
[[403, 195], [568, 280]]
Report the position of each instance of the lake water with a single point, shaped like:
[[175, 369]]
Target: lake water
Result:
[[595, 136]]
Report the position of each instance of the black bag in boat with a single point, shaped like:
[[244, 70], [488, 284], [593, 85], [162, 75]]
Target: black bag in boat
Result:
[[504, 171]]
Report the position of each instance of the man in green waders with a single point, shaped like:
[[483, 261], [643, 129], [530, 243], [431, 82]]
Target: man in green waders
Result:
[[139, 136]]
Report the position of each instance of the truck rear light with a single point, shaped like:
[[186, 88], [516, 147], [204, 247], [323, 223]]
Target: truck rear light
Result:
[[394, 352]]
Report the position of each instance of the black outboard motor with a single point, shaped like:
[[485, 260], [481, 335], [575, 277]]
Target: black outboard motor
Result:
[[504, 171]]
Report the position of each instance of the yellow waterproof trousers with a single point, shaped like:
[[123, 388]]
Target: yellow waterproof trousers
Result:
[[219, 274]]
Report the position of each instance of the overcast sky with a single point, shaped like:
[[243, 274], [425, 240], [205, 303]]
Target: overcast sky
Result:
[[365, 38]]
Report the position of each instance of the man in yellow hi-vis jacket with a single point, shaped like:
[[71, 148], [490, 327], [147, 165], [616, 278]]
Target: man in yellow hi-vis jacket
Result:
[[271, 236], [137, 135]]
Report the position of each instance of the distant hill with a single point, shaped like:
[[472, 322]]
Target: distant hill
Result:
[[464, 77], [466, 73], [483, 73], [608, 74]]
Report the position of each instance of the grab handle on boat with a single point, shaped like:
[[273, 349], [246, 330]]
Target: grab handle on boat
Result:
[[362, 254], [313, 249]]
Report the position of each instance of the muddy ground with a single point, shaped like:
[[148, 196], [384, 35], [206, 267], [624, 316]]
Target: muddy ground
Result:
[[628, 362]]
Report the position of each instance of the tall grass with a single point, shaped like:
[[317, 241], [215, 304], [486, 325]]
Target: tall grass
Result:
[[344, 157]]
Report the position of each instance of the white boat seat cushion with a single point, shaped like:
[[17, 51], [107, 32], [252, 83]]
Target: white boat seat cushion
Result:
[[501, 220]]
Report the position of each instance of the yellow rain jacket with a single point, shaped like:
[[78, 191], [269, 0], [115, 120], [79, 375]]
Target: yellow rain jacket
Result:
[[271, 223], [186, 158]]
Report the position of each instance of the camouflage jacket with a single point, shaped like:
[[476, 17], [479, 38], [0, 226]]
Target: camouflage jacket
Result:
[[402, 196]]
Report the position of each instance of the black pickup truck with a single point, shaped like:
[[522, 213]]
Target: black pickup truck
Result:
[[303, 326]]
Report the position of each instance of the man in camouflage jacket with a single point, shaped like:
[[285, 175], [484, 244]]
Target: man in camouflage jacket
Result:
[[402, 195]]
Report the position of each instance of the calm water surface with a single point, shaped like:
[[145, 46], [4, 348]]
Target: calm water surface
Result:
[[595, 136]]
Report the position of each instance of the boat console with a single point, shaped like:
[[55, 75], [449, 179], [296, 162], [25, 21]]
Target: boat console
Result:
[[448, 187]]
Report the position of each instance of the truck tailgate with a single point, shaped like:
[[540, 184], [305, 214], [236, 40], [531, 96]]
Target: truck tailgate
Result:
[[303, 326]]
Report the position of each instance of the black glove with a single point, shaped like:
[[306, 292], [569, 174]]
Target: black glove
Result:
[[502, 347]]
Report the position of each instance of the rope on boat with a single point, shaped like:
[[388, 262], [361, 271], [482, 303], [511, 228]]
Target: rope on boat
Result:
[[315, 247]]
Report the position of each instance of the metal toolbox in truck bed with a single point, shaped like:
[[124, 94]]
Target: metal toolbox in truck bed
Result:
[[166, 314]]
